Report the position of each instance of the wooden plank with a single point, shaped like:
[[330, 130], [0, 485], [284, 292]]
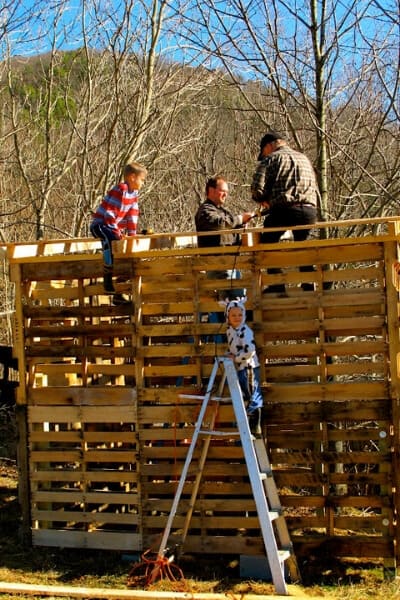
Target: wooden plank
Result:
[[351, 546], [170, 371], [207, 522], [285, 371], [166, 330], [337, 252], [353, 523], [216, 544], [108, 475], [60, 313], [116, 396], [87, 593], [330, 457], [99, 518], [371, 325], [78, 351], [172, 308], [315, 501], [97, 540], [86, 414], [75, 497], [103, 330], [171, 351], [113, 369], [98, 456], [340, 392], [306, 478], [332, 410], [311, 349]]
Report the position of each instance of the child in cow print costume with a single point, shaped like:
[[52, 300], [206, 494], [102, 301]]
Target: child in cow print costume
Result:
[[243, 352]]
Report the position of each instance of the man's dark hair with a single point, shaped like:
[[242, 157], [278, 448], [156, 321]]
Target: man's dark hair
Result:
[[212, 182]]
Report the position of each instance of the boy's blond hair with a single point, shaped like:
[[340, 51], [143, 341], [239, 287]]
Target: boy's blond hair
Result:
[[136, 168]]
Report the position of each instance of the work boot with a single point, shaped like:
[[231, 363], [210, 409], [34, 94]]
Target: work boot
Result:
[[119, 299], [255, 422], [108, 282]]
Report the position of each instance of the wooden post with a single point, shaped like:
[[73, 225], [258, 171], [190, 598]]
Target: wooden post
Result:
[[393, 306]]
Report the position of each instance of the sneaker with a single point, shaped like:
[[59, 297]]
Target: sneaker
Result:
[[255, 422], [119, 299]]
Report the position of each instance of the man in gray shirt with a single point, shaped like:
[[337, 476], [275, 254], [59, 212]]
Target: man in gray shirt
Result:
[[212, 216]]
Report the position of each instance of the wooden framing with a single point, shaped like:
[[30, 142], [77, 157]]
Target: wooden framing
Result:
[[103, 427]]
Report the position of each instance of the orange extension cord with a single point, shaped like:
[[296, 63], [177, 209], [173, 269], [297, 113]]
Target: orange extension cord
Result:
[[149, 570]]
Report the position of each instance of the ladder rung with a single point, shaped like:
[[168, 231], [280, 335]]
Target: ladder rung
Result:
[[265, 474], [219, 433], [196, 397], [274, 514], [220, 398], [284, 555]]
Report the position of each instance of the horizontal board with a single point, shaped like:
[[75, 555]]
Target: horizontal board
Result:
[[98, 456], [111, 396], [96, 540], [44, 475], [72, 414], [96, 518], [84, 497]]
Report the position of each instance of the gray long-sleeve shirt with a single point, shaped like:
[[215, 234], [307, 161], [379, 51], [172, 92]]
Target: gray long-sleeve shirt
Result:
[[213, 218]]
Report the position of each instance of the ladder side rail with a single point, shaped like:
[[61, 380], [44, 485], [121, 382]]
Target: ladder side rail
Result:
[[201, 463], [271, 547], [188, 460], [275, 505], [203, 456], [265, 467]]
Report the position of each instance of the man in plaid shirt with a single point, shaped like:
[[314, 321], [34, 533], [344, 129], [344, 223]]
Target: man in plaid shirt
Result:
[[284, 183]]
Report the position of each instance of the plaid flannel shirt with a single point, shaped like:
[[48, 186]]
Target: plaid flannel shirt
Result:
[[285, 177]]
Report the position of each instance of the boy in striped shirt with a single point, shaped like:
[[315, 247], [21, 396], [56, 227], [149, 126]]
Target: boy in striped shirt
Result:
[[116, 217]]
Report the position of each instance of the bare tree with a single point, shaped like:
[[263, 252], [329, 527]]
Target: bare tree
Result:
[[86, 111], [317, 59]]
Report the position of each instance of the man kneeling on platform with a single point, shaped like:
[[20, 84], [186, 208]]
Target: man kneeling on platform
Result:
[[243, 352]]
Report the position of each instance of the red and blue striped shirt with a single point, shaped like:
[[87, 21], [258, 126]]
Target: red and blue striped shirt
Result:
[[119, 210]]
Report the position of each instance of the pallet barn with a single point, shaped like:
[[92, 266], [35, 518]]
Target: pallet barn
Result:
[[103, 427]]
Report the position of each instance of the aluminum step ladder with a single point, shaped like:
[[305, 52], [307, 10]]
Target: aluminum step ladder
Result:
[[277, 542]]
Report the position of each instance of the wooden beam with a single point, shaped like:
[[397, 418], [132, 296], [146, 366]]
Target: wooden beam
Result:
[[117, 594]]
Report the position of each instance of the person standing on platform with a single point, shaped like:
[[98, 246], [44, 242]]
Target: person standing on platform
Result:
[[284, 184]]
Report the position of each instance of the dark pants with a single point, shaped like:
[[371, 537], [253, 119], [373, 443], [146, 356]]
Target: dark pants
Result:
[[106, 235], [283, 216]]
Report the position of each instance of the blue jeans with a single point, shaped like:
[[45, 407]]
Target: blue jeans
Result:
[[249, 380], [107, 236]]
